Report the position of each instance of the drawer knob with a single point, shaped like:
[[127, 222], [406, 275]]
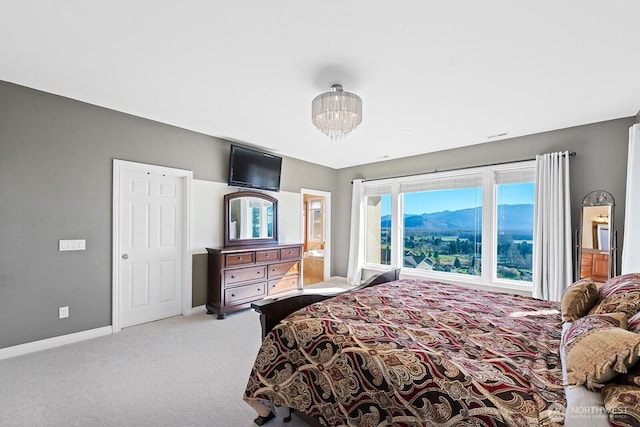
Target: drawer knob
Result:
[[239, 258], [233, 277], [257, 272], [259, 289], [233, 295], [266, 256]]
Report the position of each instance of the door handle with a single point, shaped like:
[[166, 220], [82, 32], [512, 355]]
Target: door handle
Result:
[[125, 256]]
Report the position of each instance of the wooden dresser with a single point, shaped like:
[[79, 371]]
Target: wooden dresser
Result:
[[238, 276], [594, 264]]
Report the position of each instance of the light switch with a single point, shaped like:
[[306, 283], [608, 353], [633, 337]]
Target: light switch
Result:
[[72, 245]]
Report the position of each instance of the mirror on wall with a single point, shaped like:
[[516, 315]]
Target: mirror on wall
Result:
[[250, 218], [316, 220], [596, 237]]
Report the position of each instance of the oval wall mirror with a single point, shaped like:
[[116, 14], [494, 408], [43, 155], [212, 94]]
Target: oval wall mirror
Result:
[[596, 237], [250, 218]]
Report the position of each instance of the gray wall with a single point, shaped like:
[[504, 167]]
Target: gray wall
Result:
[[55, 183], [56, 159], [600, 164]]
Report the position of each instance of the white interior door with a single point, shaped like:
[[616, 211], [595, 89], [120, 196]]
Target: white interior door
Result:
[[150, 223]]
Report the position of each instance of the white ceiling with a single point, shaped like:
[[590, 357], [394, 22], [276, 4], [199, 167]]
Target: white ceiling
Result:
[[432, 75]]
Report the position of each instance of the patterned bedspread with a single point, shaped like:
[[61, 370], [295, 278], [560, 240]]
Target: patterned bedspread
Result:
[[414, 352]]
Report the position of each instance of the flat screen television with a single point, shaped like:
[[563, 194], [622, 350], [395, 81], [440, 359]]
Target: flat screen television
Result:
[[254, 169]]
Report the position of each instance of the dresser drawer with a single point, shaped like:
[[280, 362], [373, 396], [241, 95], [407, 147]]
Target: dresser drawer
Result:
[[290, 253], [286, 283], [280, 269], [266, 256], [239, 259], [245, 293], [244, 274]]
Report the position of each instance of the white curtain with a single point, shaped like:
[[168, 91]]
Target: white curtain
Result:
[[356, 243], [631, 243], [552, 261]]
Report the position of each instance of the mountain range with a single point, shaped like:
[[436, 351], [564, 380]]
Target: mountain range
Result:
[[513, 219]]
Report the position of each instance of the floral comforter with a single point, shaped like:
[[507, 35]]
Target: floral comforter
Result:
[[414, 352]]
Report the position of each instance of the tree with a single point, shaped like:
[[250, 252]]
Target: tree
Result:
[[514, 259], [456, 263], [525, 248]]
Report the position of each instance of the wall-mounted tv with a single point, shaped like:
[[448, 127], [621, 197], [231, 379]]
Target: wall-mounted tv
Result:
[[254, 169]]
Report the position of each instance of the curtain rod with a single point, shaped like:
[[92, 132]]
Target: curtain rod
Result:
[[571, 154]]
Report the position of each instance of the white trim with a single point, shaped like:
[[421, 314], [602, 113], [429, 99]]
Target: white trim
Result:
[[327, 224], [46, 344], [187, 286]]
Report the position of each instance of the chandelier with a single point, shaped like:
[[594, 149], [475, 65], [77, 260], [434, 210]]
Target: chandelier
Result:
[[336, 113]]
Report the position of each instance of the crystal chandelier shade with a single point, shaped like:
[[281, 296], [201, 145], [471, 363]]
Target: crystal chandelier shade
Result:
[[336, 113]]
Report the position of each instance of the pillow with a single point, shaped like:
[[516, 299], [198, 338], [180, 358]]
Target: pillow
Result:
[[598, 347], [620, 283], [633, 376], [577, 299], [619, 294], [622, 403], [634, 323]]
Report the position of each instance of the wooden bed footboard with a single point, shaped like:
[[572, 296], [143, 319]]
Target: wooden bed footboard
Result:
[[273, 310]]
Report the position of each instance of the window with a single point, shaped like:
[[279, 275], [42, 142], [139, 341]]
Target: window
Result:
[[475, 224], [442, 228], [378, 226], [377, 223], [514, 224]]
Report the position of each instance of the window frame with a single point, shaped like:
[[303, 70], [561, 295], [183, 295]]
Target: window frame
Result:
[[489, 272]]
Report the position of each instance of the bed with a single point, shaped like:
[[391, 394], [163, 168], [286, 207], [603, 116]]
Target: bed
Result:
[[418, 352]]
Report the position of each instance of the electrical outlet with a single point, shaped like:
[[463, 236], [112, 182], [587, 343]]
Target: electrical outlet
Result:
[[63, 312]]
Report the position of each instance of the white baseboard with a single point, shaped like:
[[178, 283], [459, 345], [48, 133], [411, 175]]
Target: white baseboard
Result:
[[32, 347]]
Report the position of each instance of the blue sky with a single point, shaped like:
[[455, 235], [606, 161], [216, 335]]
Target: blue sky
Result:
[[453, 200]]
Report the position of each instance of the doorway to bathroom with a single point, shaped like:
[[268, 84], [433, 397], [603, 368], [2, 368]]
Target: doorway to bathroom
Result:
[[316, 229]]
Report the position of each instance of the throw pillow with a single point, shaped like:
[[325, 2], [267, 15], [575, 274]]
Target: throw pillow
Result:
[[621, 293], [598, 347], [623, 282], [622, 403], [634, 323], [577, 299], [633, 376]]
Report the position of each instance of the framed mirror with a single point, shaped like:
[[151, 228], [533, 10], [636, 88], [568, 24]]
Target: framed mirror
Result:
[[250, 218], [596, 237]]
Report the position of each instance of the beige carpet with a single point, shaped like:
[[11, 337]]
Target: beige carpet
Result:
[[182, 371]]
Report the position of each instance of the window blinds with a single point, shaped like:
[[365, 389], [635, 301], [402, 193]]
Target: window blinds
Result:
[[442, 183], [512, 176], [448, 181], [377, 188]]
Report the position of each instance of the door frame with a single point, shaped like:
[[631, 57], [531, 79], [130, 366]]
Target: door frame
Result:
[[187, 176], [327, 223]]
